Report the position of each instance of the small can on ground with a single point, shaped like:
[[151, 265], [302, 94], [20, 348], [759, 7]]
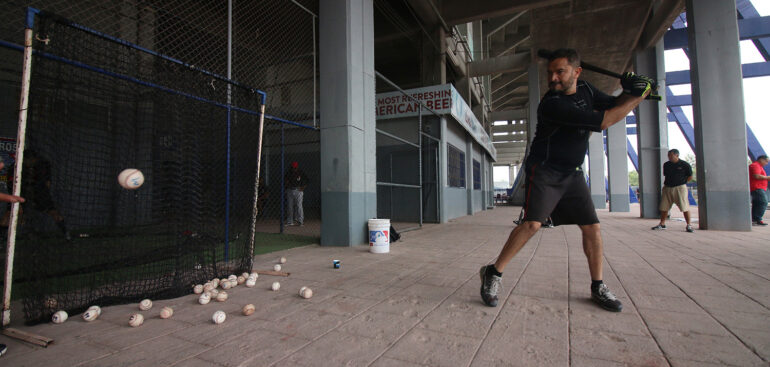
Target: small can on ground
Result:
[[336, 264]]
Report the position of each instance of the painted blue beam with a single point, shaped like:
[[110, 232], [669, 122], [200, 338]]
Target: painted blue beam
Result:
[[632, 154], [753, 145], [751, 70], [676, 101], [752, 28], [682, 121], [746, 10]]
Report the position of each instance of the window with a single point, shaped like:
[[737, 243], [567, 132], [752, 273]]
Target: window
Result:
[[455, 161], [476, 175]]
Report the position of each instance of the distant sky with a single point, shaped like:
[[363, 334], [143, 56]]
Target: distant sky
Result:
[[755, 97]]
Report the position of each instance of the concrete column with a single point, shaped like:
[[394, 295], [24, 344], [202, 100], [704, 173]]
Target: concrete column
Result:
[[652, 132], [533, 78], [720, 130], [534, 100], [434, 58], [469, 171], [348, 141], [596, 170], [442, 169], [617, 164], [478, 41]]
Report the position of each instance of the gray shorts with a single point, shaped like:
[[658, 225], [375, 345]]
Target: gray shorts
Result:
[[561, 195]]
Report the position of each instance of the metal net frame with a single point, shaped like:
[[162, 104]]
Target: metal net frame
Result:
[[209, 83]]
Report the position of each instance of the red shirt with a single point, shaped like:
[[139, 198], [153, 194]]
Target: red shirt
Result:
[[756, 169]]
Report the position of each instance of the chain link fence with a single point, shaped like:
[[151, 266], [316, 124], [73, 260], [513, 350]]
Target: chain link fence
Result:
[[180, 107]]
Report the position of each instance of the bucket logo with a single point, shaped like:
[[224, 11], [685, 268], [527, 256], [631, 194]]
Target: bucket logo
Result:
[[378, 238]]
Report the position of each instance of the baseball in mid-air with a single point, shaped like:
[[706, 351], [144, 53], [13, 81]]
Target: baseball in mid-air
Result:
[[277, 267], [59, 317], [276, 286], [145, 305], [219, 317], [166, 312], [248, 309], [131, 178], [136, 320]]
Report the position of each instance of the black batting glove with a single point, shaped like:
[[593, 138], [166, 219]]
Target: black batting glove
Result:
[[636, 85]]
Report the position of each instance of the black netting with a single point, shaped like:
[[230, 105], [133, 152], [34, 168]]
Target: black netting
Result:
[[83, 239]]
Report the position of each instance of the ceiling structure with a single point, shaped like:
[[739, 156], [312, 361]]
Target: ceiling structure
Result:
[[605, 32]]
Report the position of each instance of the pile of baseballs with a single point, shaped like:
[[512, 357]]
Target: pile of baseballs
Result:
[[251, 280]]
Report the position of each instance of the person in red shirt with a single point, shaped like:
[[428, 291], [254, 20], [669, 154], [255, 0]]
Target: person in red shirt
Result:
[[758, 187]]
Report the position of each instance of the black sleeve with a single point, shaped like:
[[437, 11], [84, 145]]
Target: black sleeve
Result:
[[602, 101], [689, 169], [561, 111]]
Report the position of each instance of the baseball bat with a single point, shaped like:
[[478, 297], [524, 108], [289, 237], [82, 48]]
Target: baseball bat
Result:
[[547, 54]]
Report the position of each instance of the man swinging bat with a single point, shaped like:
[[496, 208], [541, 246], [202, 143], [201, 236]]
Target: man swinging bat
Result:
[[555, 185]]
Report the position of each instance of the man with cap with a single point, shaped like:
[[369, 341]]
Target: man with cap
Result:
[[295, 182]]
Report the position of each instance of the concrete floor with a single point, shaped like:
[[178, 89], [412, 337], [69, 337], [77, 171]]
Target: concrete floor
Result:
[[691, 299]]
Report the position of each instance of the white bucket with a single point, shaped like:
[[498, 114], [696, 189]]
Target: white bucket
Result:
[[379, 236]]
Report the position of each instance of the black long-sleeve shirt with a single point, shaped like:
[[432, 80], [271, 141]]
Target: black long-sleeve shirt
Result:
[[564, 124]]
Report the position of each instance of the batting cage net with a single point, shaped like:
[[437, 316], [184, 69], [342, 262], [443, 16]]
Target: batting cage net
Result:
[[144, 85]]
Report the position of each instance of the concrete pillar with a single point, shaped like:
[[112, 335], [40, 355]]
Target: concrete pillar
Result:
[[469, 172], [617, 167], [534, 100], [511, 174], [651, 132], [478, 41], [596, 170], [434, 58], [442, 169], [533, 77], [720, 130], [348, 141]]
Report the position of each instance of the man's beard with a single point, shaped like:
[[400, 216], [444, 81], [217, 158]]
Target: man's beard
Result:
[[565, 85]]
